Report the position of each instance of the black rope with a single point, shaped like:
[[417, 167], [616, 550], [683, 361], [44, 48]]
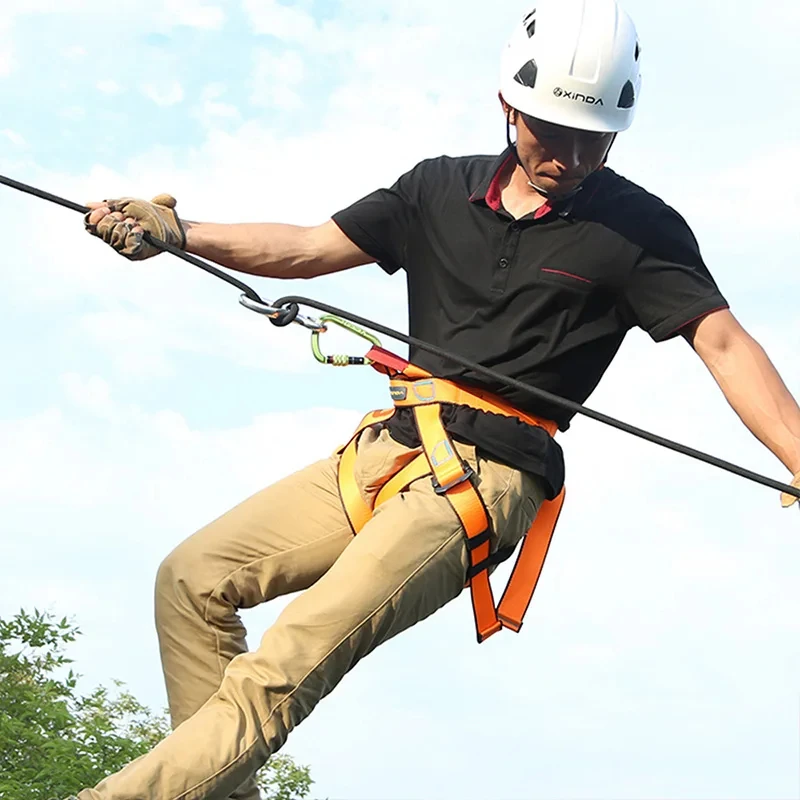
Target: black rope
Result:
[[291, 304], [294, 302]]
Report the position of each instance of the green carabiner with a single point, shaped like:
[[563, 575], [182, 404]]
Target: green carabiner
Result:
[[341, 360]]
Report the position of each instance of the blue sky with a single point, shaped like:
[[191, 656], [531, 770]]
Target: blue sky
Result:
[[138, 401]]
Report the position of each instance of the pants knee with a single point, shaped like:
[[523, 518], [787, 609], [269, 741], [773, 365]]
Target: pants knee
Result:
[[177, 582]]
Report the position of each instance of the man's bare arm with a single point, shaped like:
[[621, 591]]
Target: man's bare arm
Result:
[[275, 250], [750, 383]]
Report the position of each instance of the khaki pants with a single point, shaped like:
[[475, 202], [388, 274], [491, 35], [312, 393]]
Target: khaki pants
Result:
[[233, 709]]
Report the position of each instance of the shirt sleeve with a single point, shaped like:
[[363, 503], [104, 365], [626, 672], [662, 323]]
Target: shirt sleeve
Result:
[[381, 222], [670, 285]]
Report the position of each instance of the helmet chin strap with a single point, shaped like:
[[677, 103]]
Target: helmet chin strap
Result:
[[543, 192]]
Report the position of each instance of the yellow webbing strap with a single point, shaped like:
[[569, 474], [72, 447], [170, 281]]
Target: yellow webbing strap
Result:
[[416, 469], [452, 479]]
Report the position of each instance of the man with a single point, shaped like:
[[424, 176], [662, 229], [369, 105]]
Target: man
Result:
[[535, 264]]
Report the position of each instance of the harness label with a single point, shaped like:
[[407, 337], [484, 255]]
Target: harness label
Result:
[[398, 393]]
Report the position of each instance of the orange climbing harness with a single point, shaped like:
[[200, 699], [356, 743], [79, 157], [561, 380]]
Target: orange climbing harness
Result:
[[413, 387]]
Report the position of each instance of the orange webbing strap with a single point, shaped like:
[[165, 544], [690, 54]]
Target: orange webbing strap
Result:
[[452, 478], [418, 468], [437, 390], [357, 510], [528, 567]]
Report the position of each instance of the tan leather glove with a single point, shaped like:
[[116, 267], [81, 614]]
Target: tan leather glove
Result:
[[788, 500], [120, 228]]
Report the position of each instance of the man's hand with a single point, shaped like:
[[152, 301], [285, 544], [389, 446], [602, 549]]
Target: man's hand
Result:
[[788, 500], [122, 224]]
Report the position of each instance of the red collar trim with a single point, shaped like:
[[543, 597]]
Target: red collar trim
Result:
[[493, 196], [494, 193]]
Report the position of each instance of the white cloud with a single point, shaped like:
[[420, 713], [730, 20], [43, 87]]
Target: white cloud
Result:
[[276, 77], [288, 22], [14, 137], [95, 445], [211, 110], [109, 87], [144, 344], [136, 347], [90, 394], [167, 94], [722, 193], [195, 14], [74, 52], [73, 113], [7, 61], [147, 15], [17, 8], [40, 454]]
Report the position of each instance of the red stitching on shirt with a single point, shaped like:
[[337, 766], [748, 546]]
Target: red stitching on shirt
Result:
[[568, 275], [699, 316]]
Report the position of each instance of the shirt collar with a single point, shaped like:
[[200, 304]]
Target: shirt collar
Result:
[[488, 191]]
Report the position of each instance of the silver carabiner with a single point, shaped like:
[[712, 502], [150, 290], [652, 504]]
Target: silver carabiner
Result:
[[271, 311]]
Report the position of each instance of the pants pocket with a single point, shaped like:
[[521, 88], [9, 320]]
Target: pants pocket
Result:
[[379, 457]]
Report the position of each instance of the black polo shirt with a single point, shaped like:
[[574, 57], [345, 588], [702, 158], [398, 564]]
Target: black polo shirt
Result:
[[546, 299]]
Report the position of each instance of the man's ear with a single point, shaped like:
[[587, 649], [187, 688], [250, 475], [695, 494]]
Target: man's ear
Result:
[[510, 113]]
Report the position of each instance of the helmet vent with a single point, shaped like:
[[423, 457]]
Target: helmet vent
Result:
[[627, 97], [530, 23], [637, 53], [527, 75]]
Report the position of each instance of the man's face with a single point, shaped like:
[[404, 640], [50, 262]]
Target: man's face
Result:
[[558, 158]]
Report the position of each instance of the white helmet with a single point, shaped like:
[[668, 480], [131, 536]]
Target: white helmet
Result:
[[574, 63]]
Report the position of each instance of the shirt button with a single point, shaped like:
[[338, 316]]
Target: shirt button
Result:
[[514, 226], [503, 263]]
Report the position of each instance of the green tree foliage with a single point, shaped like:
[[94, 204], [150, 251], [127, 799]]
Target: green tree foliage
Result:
[[55, 742]]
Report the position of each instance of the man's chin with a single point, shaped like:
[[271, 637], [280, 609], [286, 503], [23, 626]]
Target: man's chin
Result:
[[555, 187]]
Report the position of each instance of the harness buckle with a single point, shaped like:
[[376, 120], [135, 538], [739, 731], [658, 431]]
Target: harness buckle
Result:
[[468, 474]]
